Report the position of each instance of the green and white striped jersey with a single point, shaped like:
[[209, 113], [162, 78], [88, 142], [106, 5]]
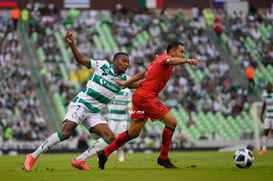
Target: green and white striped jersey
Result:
[[117, 108], [268, 99], [100, 88]]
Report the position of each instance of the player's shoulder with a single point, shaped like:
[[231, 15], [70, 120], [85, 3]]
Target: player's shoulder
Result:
[[164, 56], [161, 58], [125, 77], [99, 63]]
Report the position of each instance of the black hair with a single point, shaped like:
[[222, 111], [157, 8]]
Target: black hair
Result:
[[160, 50], [174, 45], [118, 54]]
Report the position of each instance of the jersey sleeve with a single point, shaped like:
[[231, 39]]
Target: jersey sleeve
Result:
[[94, 64], [162, 58]]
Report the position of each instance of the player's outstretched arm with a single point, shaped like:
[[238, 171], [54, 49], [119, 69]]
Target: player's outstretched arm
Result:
[[78, 56], [178, 61], [133, 82]]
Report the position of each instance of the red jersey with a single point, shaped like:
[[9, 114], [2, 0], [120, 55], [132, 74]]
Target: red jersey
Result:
[[156, 77]]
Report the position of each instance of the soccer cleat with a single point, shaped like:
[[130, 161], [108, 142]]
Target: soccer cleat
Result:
[[262, 152], [29, 162], [101, 159], [79, 164], [165, 163]]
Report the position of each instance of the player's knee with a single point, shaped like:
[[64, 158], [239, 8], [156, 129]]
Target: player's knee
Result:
[[172, 124], [266, 132], [134, 134], [175, 124], [111, 137], [68, 129], [65, 135]]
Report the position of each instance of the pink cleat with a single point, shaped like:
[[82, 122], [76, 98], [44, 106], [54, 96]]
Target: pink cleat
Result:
[[29, 162], [263, 152], [79, 164]]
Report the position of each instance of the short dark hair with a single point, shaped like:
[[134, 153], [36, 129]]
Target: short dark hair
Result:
[[174, 45], [118, 54], [160, 50]]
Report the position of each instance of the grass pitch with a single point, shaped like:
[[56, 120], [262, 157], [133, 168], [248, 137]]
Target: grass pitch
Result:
[[193, 165]]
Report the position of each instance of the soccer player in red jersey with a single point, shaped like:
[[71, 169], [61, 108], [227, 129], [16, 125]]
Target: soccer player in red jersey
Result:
[[146, 104]]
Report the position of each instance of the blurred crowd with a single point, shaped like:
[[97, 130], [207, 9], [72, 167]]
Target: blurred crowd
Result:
[[249, 39], [21, 117], [216, 91], [139, 33]]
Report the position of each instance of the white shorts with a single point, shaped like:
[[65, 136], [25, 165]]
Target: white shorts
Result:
[[268, 123], [79, 114], [118, 126]]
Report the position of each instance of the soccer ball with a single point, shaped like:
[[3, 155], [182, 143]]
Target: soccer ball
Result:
[[243, 158]]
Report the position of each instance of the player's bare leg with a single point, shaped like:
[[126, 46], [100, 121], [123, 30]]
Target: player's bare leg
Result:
[[67, 130]]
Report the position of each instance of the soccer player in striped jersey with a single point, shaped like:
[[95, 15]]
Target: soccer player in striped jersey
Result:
[[118, 115], [147, 106], [268, 120], [80, 161], [85, 107]]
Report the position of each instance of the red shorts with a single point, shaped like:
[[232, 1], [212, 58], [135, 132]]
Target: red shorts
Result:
[[145, 107]]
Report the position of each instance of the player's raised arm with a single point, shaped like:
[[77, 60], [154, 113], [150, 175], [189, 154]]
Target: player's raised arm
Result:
[[177, 61], [133, 82], [78, 56], [177, 51]]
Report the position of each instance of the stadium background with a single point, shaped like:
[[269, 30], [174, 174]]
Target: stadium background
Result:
[[105, 4], [34, 95]]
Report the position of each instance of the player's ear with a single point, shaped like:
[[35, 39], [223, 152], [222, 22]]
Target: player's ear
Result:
[[172, 51]]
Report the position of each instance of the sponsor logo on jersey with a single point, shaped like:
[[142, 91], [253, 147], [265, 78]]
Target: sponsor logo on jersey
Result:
[[102, 82], [106, 83], [75, 115], [136, 112]]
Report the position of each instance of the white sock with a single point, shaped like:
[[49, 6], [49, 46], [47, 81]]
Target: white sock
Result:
[[121, 151], [100, 144], [121, 154], [47, 144], [264, 143]]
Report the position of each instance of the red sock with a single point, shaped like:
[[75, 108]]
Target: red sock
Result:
[[117, 143], [167, 135]]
